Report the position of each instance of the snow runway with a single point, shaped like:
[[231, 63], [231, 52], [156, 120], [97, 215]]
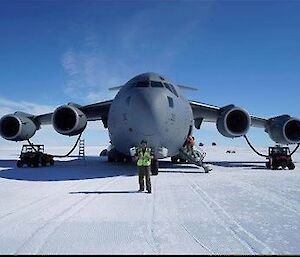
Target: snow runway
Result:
[[91, 207]]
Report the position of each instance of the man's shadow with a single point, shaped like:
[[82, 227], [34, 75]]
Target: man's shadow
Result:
[[105, 192]]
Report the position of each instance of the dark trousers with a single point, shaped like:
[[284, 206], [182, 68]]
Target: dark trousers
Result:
[[144, 172]]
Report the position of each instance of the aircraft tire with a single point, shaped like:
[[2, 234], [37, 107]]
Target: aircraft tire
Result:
[[103, 152], [174, 159], [154, 167]]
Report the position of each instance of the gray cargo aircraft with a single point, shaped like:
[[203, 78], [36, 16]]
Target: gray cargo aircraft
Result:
[[150, 107]]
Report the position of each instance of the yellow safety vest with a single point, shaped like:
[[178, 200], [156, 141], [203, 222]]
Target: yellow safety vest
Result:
[[144, 158]]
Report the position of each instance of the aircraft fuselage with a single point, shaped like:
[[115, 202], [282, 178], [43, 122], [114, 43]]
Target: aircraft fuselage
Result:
[[152, 108]]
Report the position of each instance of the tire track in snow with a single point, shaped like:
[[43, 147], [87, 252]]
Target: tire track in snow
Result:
[[36, 241], [149, 213], [25, 207], [272, 196], [190, 234], [197, 240], [173, 229], [250, 241]]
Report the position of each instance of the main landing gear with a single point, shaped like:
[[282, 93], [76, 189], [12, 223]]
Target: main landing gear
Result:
[[154, 167], [115, 156]]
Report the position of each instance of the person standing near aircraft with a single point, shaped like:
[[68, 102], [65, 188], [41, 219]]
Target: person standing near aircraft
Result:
[[190, 142], [144, 156]]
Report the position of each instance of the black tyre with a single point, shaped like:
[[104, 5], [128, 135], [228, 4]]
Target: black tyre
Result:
[[51, 162], [183, 161], [268, 165], [112, 156], [154, 167], [20, 164], [36, 163], [291, 166], [104, 152], [110, 159], [127, 159], [44, 163], [118, 158], [174, 159]]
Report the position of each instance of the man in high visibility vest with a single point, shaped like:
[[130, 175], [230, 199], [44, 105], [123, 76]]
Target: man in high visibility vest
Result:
[[144, 156]]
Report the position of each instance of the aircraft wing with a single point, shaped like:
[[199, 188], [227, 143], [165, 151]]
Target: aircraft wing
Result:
[[211, 113], [70, 119], [97, 111], [233, 121]]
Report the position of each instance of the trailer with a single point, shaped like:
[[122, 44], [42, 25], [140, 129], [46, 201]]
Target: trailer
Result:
[[187, 157]]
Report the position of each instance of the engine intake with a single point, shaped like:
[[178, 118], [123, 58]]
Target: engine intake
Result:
[[69, 120], [233, 121], [284, 129], [17, 127]]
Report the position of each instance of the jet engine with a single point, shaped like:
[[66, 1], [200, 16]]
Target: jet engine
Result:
[[17, 127], [233, 121], [69, 120], [284, 129]]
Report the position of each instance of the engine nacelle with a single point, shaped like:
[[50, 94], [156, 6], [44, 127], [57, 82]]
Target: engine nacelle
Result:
[[17, 127], [69, 120], [233, 122], [284, 129]]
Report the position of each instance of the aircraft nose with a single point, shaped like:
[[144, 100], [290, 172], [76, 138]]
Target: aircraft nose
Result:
[[147, 111]]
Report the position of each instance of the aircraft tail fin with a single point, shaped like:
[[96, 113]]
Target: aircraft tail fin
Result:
[[115, 88], [187, 88]]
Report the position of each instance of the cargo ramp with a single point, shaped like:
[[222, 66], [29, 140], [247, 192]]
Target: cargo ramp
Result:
[[196, 158]]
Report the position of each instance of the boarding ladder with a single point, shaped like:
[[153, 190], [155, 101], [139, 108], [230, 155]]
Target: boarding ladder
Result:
[[81, 149], [196, 159]]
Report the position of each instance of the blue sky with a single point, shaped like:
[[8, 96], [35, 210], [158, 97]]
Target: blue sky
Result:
[[241, 52]]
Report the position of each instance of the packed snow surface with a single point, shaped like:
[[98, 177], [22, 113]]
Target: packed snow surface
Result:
[[91, 206]]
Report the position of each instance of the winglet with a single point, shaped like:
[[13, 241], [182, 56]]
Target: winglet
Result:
[[187, 88]]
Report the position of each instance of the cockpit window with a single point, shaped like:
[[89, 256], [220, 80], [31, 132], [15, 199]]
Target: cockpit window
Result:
[[168, 87], [156, 84], [142, 84], [171, 88], [170, 101]]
